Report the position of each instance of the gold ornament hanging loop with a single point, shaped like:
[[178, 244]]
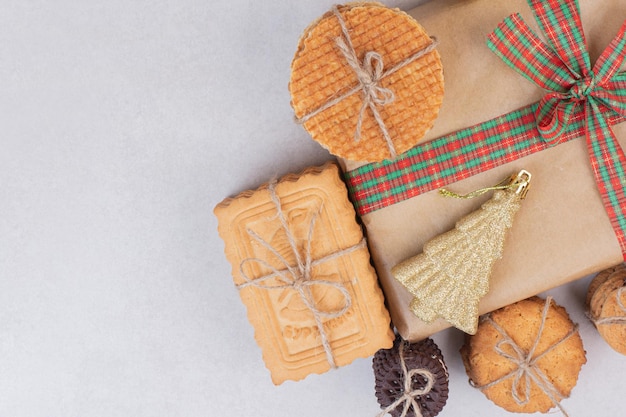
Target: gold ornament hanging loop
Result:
[[520, 182]]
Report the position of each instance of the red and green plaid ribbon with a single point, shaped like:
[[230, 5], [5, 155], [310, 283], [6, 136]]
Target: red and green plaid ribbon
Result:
[[580, 100]]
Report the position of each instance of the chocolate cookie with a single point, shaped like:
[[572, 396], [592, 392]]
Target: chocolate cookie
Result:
[[423, 362]]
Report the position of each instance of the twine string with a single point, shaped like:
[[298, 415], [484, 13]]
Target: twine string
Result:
[[299, 277], [407, 399], [369, 73], [526, 363], [612, 319]]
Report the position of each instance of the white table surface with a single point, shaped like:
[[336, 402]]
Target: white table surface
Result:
[[122, 124]]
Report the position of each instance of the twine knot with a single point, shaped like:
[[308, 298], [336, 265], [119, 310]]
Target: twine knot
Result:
[[299, 283], [410, 393], [524, 363], [369, 74]]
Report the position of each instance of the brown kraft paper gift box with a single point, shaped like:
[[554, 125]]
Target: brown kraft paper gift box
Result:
[[562, 231]]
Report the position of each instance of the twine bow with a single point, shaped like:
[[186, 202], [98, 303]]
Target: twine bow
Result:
[[299, 276], [526, 368], [407, 399], [575, 91], [369, 74]]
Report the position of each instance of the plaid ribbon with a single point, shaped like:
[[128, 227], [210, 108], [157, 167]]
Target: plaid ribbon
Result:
[[580, 100]]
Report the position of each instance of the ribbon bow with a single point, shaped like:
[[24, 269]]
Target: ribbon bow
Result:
[[299, 277], [576, 91]]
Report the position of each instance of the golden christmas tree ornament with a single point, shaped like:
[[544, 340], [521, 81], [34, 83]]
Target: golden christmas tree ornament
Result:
[[451, 275]]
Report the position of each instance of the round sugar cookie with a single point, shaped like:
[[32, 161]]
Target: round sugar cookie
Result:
[[558, 354], [404, 81]]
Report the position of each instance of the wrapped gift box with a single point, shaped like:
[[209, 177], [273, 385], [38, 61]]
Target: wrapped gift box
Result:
[[301, 264], [562, 231]]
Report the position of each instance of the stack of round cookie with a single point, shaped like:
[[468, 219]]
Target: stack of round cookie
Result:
[[606, 300], [525, 357]]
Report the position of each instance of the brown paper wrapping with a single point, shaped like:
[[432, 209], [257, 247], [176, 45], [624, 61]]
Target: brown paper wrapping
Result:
[[562, 231]]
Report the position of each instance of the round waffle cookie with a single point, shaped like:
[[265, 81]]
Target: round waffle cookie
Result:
[[390, 377], [606, 306], [377, 95]]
